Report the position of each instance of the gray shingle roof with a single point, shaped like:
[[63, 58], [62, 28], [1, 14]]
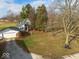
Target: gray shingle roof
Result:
[[9, 28]]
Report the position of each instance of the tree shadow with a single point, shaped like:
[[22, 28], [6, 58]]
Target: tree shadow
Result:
[[2, 48], [23, 34], [22, 45], [17, 50]]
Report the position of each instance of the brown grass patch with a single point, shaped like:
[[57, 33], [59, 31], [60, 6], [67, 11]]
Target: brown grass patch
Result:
[[46, 44]]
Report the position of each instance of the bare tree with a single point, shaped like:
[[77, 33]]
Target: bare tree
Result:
[[69, 21], [68, 9]]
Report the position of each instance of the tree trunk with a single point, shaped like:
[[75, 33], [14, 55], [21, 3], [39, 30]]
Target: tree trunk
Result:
[[67, 42]]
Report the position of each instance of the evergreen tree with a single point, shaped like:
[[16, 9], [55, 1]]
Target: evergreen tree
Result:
[[41, 17], [28, 12]]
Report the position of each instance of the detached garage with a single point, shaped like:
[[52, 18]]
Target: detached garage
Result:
[[10, 32]]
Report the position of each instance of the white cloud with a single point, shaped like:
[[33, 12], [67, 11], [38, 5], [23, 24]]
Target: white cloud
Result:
[[2, 4], [37, 3], [16, 8], [9, 5]]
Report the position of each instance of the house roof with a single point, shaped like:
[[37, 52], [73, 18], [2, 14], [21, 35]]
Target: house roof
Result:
[[10, 28], [25, 21]]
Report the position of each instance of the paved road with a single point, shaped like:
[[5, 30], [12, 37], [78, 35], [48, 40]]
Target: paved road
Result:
[[13, 51]]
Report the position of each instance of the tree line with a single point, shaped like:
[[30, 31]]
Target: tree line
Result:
[[62, 15], [38, 17]]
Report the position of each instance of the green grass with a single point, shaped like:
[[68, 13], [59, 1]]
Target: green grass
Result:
[[29, 42], [9, 24], [49, 45], [22, 45]]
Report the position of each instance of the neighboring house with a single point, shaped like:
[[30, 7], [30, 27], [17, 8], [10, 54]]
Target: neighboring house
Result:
[[10, 32], [24, 25]]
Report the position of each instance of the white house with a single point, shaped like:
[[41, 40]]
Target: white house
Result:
[[0, 35], [10, 32], [24, 25]]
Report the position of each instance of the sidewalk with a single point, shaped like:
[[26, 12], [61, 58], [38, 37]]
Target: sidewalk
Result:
[[73, 56]]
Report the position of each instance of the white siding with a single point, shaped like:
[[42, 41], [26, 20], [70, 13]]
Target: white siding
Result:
[[10, 34], [0, 35]]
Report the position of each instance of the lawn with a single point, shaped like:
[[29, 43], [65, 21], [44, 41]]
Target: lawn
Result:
[[49, 45], [7, 24]]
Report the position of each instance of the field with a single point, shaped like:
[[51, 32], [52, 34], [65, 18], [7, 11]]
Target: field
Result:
[[7, 24], [49, 45]]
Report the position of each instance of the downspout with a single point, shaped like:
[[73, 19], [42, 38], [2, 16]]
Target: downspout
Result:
[[2, 36]]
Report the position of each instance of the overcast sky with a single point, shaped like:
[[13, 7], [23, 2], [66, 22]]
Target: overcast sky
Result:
[[16, 5]]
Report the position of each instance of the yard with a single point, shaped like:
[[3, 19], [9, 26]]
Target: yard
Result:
[[48, 44], [7, 24]]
